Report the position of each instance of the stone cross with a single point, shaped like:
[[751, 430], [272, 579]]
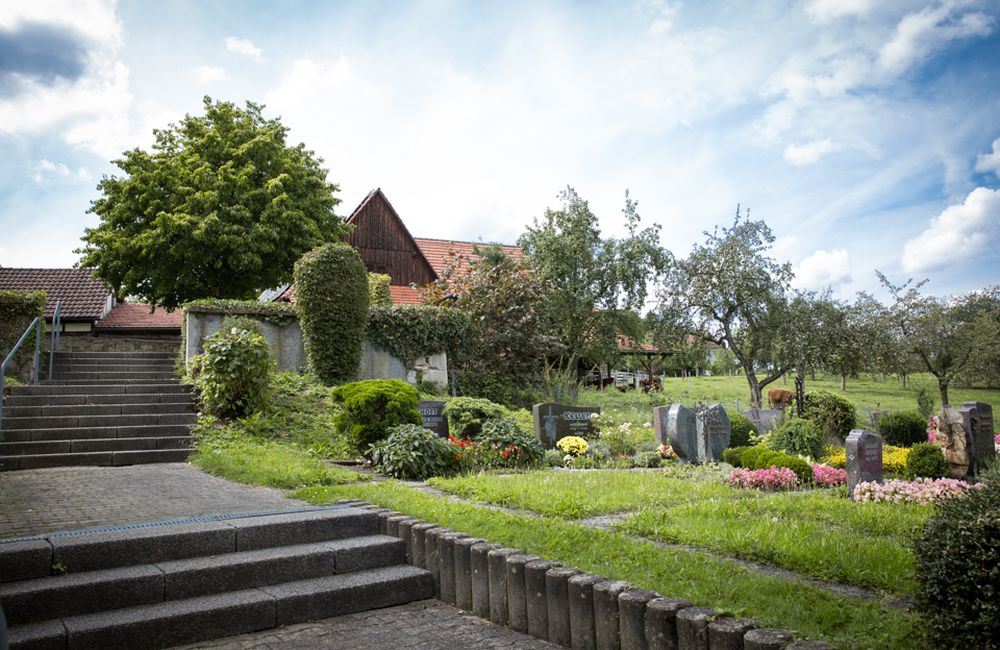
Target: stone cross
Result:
[[864, 459]]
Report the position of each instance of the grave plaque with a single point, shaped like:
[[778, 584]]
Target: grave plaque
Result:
[[764, 420], [432, 412], [864, 459], [714, 432], [695, 436], [554, 421], [978, 420]]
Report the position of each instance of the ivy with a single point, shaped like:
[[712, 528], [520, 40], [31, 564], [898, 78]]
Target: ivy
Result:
[[409, 332], [275, 313], [17, 310]]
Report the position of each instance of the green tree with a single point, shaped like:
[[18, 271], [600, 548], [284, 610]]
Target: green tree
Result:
[[943, 334], [729, 292], [591, 282], [220, 208]]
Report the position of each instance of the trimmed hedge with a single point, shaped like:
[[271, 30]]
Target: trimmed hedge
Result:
[[331, 286], [378, 290], [17, 310], [903, 429], [234, 373], [372, 407], [412, 331], [834, 415], [276, 313], [760, 457]]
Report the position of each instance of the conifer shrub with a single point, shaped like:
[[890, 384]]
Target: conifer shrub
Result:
[[798, 436], [903, 429], [741, 430], [372, 407], [834, 415], [233, 373], [926, 461], [331, 287], [466, 415]]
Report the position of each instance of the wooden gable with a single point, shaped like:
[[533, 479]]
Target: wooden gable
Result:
[[385, 244]]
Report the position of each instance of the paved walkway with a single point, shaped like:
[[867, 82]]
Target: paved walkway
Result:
[[423, 625], [64, 498]]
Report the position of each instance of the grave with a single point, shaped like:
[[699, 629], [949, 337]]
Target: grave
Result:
[[764, 420], [955, 442], [875, 417], [432, 412], [864, 459], [978, 420], [697, 436], [554, 421]]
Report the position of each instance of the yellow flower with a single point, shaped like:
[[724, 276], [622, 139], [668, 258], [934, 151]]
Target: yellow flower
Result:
[[573, 445]]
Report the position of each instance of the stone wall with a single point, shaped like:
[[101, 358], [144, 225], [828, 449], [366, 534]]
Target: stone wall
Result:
[[71, 342], [378, 363]]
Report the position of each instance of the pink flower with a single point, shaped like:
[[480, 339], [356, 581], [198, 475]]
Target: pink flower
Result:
[[763, 479], [922, 490], [829, 476]]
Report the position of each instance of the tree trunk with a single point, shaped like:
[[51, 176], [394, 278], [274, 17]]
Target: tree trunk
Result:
[[754, 388], [943, 387], [843, 381]]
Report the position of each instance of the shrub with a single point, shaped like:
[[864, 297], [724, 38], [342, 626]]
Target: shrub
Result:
[[503, 444], [833, 414], [893, 458], [572, 445], [331, 288], [798, 436], [956, 565], [372, 407], [734, 455], [742, 430], [648, 459], [412, 452], [620, 462], [553, 458], [409, 332], [466, 415], [599, 449], [378, 290], [583, 462], [233, 373], [760, 457], [17, 310], [925, 402], [648, 445], [903, 429], [926, 461], [240, 322]]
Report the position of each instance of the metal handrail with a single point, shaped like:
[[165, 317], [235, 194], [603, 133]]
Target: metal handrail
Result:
[[38, 324], [56, 326]]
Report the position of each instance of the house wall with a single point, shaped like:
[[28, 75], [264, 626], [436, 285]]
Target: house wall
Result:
[[386, 246]]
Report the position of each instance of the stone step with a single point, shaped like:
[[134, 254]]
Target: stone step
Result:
[[99, 409], [104, 388], [83, 433], [158, 366], [31, 601], [94, 458], [60, 375], [72, 421], [116, 381], [60, 356], [15, 401], [172, 623], [86, 445]]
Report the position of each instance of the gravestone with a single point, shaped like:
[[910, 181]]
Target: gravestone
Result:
[[764, 420], [978, 420], [554, 421], [697, 436], [955, 442], [432, 411], [864, 459], [875, 417]]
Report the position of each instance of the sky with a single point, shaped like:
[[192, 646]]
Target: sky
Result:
[[866, 133]]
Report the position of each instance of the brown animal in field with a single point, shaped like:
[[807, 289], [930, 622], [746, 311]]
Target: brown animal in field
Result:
[[780, 398], [651, 384]]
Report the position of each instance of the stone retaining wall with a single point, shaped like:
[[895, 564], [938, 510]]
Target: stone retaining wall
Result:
[[564, 605], [89, 342]]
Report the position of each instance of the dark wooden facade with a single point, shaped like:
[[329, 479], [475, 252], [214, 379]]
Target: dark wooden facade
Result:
[[385, 245]]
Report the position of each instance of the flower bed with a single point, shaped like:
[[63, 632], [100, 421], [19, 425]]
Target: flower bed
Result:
[[828, 476], [771, 480], [922, 490]]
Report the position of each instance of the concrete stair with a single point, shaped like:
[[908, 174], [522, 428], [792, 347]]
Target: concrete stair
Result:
[[99, 408], [163, 584]]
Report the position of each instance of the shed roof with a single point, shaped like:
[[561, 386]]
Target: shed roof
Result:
[[136, 315]]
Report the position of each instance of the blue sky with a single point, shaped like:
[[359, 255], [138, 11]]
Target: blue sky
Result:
[[865, 132]]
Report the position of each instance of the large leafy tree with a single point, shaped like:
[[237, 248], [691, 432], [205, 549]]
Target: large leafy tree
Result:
[[728, 291], [220, 208], [592, 283]]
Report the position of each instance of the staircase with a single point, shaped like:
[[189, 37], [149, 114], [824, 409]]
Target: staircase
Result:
[[163, 584], [99, 408]]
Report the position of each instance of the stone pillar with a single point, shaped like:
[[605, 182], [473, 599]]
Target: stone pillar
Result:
[[606, 613], [479, 563], [517, 601], [581, 610], [431, 555], [537, 601], [463, 571], [692, 627], [767, 639], [404, 533], [632, 617], [392, 524], [727, 633], [418, 549], [661, 622], [497, 560], [446, 562], [557, 597]]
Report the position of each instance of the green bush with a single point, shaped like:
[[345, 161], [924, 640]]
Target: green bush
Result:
[[17, 310], [378, 290], [620, 462], [648, 459], [409, 332], [903, 429], [372, 407], [760, 457], [502, 444], [957, 560], [553, 458], [925, 402], [240, 322], [466, 415], [411, 452], [834, 415], [331, 286], [583, 462], [233, 373], [734, 455], [742, 430], [598, 449], [798, 436], [926, 461]]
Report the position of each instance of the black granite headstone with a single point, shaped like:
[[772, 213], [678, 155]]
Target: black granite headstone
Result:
[[864, 459], [432, 411], [554, 421], [714, 432], [978, 420]]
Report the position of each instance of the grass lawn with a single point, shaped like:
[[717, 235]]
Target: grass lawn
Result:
[[817, 533], [707, 581]]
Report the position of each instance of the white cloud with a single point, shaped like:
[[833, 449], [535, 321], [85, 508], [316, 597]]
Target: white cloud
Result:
[[244, 47], [209, 73], [919, 34], [47, 169], [808, 153], [823, 269], [960, 231], [825, 11], [990, 162]]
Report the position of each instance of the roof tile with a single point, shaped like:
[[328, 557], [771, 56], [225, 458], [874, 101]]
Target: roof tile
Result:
[[136, 315], [82, 296]]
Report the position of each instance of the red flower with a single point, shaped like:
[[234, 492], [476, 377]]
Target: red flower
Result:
[[506, 454]]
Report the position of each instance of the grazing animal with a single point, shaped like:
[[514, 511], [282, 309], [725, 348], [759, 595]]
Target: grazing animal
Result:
[[651, 384], [780, 398]]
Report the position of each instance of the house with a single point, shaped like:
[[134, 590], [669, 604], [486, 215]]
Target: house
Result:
[[89, 307], [386, 246]]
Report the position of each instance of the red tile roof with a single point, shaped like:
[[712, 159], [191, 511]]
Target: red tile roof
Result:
[[439, 252], [404, 295], [136, 315], [82, 297]]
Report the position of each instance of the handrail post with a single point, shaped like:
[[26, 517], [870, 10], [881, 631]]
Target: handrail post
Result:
[[56, 326], [38, 350]]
